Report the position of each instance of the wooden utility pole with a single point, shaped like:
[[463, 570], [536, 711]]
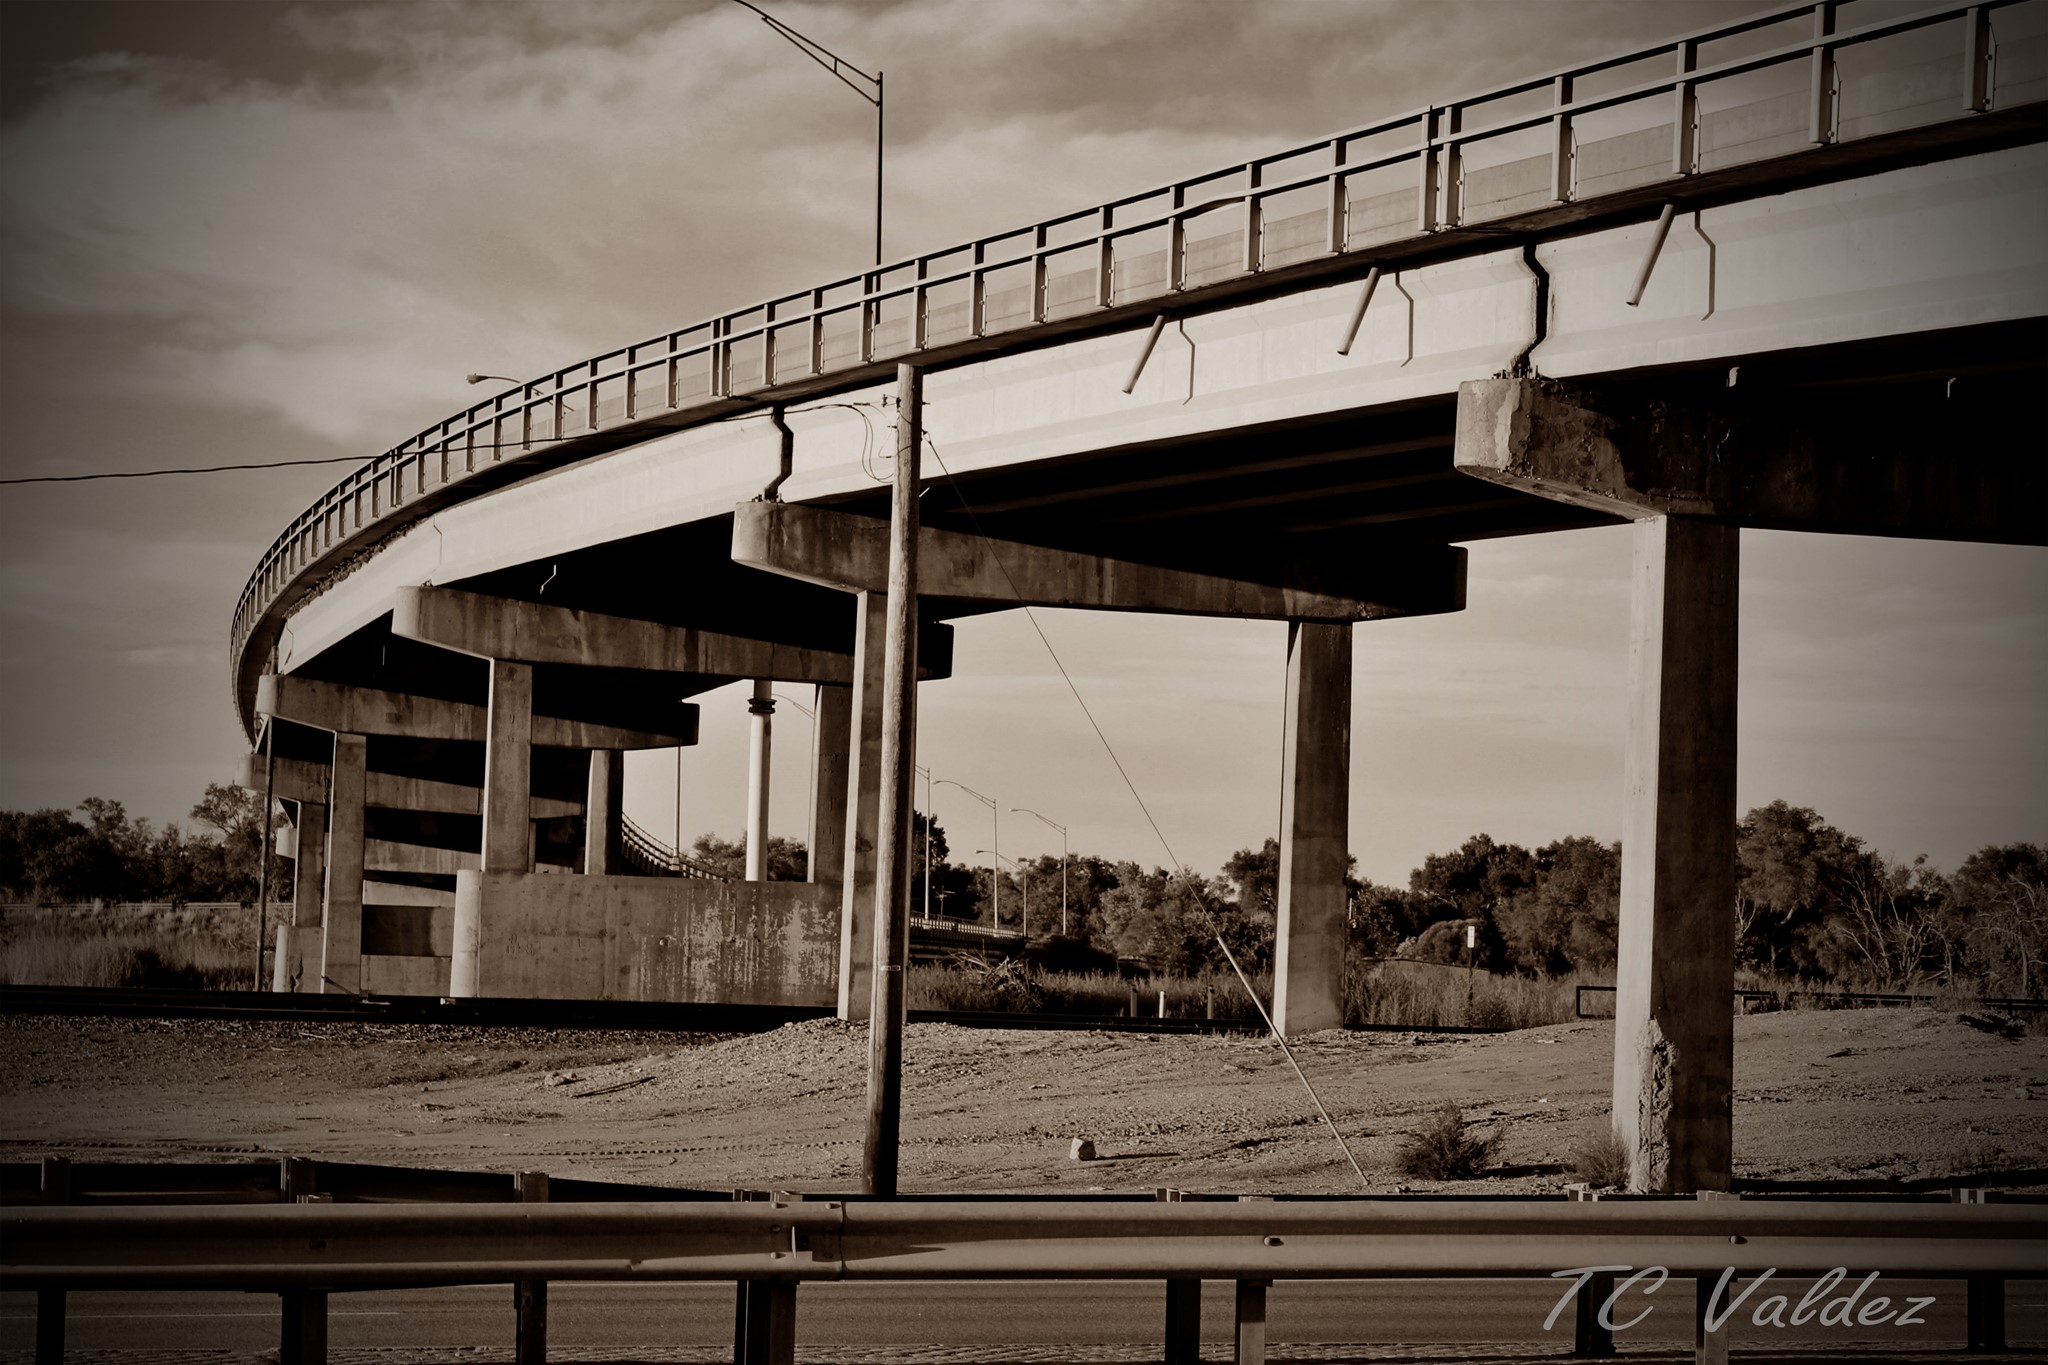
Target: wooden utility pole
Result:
[[892, 851]]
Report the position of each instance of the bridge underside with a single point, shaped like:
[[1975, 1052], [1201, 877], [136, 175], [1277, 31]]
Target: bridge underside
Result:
[[1935, 435]]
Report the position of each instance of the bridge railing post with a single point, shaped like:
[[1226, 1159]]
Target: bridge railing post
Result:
[[1250, 1332], [56, 1189], [1183, 1308], [530, 1297], [1591, 1338], [1985, 1307]]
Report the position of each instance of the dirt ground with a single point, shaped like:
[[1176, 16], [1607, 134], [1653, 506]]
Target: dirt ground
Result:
[[1890, 1096]]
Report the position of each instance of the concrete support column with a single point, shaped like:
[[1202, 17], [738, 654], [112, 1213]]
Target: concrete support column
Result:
[[603, 810], [309, 869], [760, 744], [863, 807], [508, 770], [1315, 816], [1674, 1047], [827, 834], [341, 927]]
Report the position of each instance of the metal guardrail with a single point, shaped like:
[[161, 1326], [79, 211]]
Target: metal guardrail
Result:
[[1607, 137], [292, 1179], [772, 1245], [1843, 999]]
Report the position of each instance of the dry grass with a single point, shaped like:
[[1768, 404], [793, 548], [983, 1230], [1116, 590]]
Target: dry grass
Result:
[[1425, 995], [187, 947], [1007, 988]]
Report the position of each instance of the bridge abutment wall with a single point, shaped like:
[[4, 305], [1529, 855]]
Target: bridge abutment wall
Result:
[[537, 936]]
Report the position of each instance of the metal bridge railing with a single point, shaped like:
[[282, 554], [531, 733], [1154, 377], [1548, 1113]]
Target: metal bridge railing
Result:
[[1787, 84], [650, 857], [772, 1245]]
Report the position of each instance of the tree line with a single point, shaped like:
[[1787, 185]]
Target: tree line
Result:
[[1813, 903], [54, 856]]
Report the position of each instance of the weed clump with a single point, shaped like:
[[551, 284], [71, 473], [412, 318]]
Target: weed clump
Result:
[[1447, 1149], [1601, 1160]]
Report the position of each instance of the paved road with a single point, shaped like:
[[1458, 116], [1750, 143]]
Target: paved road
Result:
[[686, 1321]]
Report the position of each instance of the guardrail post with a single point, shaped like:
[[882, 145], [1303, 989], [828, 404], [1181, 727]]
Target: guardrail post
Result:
[[530, 1297], [303, 1340], [764, 1316], [1251, 1323], [1708, 1348], [56, 1189], [1591, 1338], [302, 1316], [1986, 1303], [1183, 1308]]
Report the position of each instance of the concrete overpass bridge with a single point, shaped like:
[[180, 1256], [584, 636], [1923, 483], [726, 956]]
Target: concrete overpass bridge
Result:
[[1783, 273]]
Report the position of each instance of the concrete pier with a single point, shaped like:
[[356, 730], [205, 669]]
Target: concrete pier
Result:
[[1315, 814], [1674, 1050], [341, 936], [508, 769], [760, 750], [863, 807], [829, 759], [603, 813]]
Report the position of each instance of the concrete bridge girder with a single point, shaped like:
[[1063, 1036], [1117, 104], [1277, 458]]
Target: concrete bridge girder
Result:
[[307, 783], [341, 708], [491, 627], [851, 552]]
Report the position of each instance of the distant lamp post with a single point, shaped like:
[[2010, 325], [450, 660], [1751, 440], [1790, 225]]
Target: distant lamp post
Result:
[[480, 378], [926, 774], [1020, 810], [995, 814], [1023, 876], [847, 73]]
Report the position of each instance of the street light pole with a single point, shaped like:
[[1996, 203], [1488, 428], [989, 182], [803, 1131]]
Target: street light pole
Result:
[[926, 774], [1023, 876], [1020, 810], [839, 67], [994, 811]]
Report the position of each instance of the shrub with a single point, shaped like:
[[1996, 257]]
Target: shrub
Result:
[[1446, 1149], [1601, 1159]]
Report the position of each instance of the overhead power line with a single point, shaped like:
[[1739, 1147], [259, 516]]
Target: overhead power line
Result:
[[160, 473]]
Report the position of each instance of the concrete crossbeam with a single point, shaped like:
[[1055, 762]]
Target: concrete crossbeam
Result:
[[840, 550], [388, 855], [300, 780], [1912, 465], [505, 628], [371, 711]]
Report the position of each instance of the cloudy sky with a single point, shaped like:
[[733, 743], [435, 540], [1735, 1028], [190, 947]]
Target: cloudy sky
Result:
[[239, 232]]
